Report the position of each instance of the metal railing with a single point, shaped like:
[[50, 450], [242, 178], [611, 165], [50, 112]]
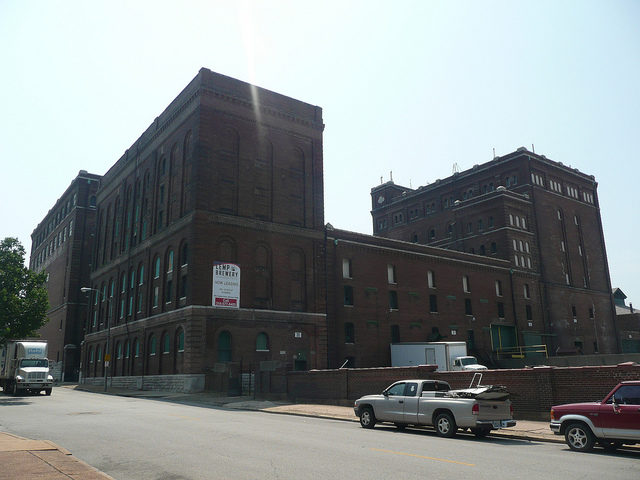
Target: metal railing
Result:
[[522, 351]]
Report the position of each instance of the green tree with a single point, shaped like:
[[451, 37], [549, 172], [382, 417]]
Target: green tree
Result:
[[23, 295]]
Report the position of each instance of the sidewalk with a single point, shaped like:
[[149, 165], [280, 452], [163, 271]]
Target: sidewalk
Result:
[[40, 459], [37, 459]]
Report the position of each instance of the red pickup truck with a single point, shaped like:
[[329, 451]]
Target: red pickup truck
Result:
[[612, 422]]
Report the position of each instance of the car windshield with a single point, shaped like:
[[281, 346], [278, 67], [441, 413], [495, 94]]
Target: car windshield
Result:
[[468, 361], [34, 362]]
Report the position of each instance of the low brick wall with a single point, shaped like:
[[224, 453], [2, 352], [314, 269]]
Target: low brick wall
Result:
[[533, 390], [166, 383]]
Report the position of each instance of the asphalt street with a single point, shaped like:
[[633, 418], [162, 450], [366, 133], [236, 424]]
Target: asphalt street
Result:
[[142, 438]]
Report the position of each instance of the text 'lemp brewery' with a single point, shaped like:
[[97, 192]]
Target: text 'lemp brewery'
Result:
[[204, 255]]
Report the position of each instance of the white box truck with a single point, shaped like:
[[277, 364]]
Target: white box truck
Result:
[[24, 367], [446, 355]]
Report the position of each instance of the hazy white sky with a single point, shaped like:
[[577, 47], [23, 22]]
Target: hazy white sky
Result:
[[408, 86]]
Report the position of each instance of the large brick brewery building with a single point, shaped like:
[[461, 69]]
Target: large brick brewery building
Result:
[[225, 189], [61, 244]]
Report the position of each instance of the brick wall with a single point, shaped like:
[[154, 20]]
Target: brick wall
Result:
[[533, 390]]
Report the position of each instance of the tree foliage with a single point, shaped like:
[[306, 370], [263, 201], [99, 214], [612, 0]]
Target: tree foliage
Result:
[[23, 295]]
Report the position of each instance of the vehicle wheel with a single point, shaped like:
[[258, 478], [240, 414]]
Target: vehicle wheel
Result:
[[481, 432], [401, 426], [445, 425], [47, 391], [579, 437], [609, 446], [367, 418]]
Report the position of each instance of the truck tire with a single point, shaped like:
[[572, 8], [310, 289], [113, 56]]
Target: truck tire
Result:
[[579, 437], [47, 391], [367, 418], [445, 425]]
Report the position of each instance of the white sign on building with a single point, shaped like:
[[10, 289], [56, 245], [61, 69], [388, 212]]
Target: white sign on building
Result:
[[226, 285]]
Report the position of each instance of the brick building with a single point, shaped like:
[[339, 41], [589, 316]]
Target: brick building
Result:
[[227, 173], [628, 323], [61, 245], [543, 218], [507, 254]]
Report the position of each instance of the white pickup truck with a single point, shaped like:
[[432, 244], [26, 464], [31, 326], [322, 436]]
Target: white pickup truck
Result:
[[432, 402]]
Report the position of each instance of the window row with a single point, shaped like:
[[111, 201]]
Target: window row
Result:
[[517, 221], [56, 242], [568, 190], [56, 220], [125, 353], [349, 298], [520, 246], [146, 205]]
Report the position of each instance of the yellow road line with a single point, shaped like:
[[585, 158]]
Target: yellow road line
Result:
[[422, 456]]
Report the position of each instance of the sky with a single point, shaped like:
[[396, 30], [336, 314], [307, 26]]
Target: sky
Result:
[[408, 88]]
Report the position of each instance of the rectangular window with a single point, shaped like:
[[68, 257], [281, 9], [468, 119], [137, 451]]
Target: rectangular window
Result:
[[391, 274], [348, 295], [346, 268], [468, 310], [529, 312], [465, 284], [500, 310], [433, 303], [526, 291], [349, 333], [156, 291], [498, 288], [139, 302], [169, 291], [183, 287], [393, 300], [431, 279]]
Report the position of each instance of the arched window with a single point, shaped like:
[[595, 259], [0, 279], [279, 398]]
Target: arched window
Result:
[[136, 347], [156, 268], [262, 342], [152, 345], [118, 350], [166, 343], [224, 347], [170, 261], [141, 274], [180, 340]]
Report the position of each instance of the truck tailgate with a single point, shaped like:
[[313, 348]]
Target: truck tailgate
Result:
[[494, 410]]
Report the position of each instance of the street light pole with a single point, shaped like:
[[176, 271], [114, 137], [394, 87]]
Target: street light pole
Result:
[[107, 357]]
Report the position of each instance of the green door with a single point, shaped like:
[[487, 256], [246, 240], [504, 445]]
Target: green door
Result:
[[503, 337]]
